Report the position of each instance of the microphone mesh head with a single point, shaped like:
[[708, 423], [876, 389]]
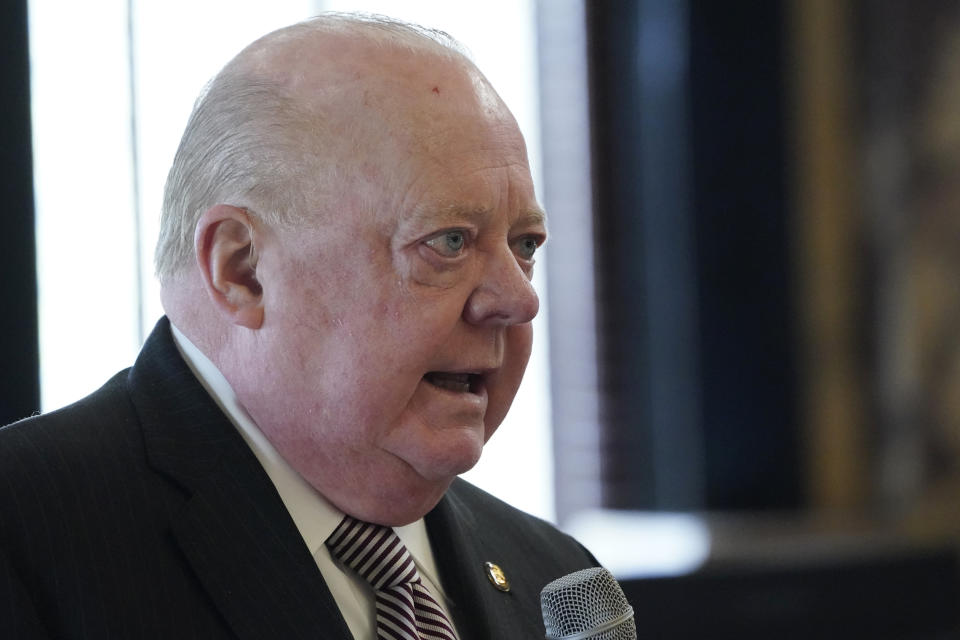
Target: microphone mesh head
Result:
[[585, 600]]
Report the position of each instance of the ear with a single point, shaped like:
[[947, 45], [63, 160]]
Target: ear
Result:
[[227, 258]]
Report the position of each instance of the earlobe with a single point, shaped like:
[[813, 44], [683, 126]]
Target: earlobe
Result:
[[227, 259]]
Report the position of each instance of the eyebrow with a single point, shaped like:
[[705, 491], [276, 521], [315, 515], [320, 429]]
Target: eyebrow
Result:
[[531, 217], [452, 212]]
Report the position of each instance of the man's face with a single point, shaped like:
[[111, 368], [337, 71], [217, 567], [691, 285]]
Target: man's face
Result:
[[397, 324]]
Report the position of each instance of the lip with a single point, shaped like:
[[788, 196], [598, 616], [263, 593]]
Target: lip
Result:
[[457, 382], [475, 396]]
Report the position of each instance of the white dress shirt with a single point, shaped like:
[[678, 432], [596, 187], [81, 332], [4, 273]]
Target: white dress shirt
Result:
[[313, 515]]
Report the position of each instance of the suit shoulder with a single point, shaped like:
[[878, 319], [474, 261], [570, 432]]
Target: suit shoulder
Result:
[[47, 455], [483, 504], [501, 521], [107, 407]]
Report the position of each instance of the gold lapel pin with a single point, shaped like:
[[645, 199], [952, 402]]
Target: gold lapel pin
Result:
[[497, 577]]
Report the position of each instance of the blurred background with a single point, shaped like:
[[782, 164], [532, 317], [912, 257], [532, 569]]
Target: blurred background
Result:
[[745, 395]]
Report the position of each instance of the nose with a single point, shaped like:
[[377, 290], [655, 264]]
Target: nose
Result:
[[504, 296]]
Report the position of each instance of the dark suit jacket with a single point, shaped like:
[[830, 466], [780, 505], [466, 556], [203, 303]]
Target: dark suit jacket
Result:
[[139, 512]]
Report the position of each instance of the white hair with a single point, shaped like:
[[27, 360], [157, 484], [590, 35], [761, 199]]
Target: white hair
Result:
[[251, 143]]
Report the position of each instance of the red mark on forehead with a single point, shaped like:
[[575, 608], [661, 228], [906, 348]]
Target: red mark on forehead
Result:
[[436, 90]]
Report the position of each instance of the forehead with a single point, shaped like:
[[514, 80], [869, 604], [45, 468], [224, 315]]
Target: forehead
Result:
[[439, 144], [408, 129], [462, 166]]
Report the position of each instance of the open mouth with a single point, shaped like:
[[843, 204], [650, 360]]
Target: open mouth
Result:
[[457, 382]]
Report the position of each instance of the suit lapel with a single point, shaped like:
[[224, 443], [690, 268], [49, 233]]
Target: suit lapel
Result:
[[234, 530], [471, 603], [480, 610], [250, 558]]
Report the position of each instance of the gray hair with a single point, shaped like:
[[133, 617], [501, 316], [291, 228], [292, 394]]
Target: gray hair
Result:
[[251, 143]]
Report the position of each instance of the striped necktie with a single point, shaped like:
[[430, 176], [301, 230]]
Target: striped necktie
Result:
[[405, 609]]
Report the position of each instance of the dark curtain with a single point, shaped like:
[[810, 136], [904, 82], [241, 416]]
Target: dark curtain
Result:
[[698, 394], [19, 351]]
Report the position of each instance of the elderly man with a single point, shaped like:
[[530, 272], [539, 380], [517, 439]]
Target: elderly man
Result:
[[348, 236]]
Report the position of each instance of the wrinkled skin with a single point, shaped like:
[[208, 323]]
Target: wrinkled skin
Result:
[[396, 321]]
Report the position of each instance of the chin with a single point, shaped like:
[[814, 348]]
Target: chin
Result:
[[451, 462], [436, 455]]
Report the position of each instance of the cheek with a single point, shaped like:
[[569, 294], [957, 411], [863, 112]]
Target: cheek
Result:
[[369, 367], [503, 387], [423, 324]]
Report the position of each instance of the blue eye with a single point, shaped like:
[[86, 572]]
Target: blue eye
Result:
[[448, 243], [527, 246]]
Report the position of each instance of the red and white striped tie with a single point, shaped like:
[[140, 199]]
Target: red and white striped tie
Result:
[[405, 609]]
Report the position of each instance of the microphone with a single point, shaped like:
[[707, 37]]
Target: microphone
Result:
[[587, 605]]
